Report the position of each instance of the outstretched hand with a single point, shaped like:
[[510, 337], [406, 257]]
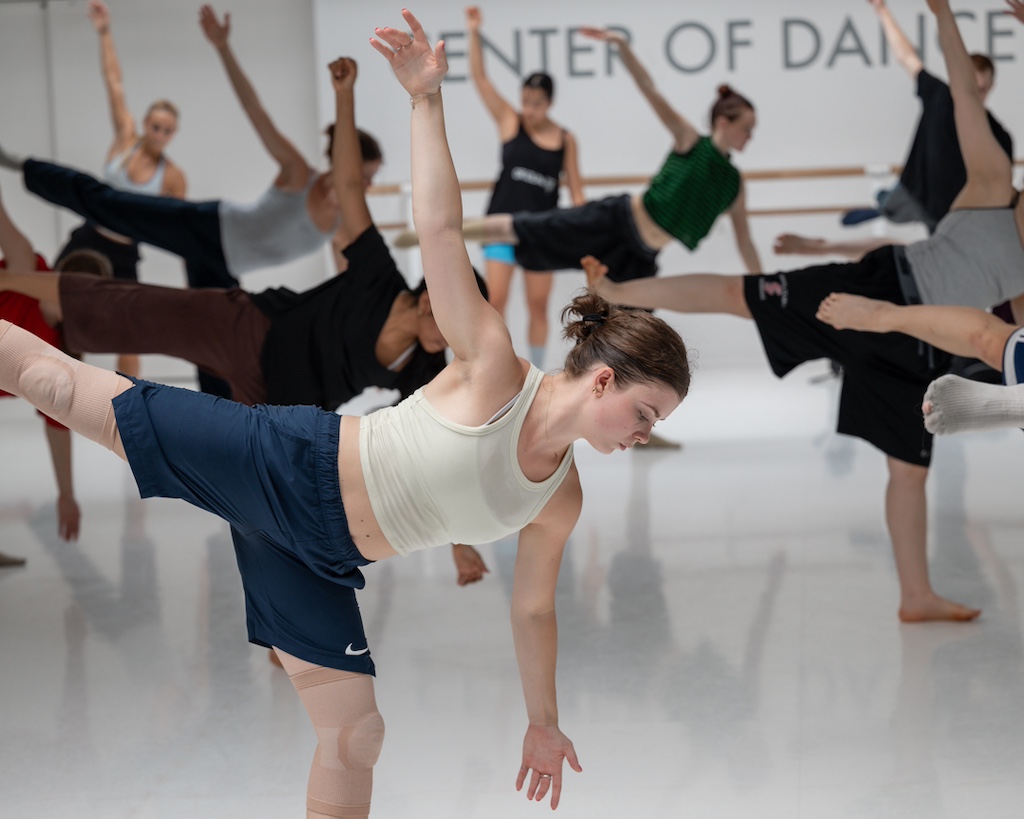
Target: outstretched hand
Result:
[[1016, 8], [69, 518], [605, 34], [99, 16], [343, 73], [417, 67], [473, 18], [216, 31], [544, 749], [877, 5], [938, 5]]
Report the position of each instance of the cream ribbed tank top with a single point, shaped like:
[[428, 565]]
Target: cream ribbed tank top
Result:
[[432, 481]]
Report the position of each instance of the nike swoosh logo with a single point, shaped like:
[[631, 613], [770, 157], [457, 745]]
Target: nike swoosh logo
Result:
[[353, 653]]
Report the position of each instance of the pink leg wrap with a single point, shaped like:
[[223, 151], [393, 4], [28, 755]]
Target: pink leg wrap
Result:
[[344, 713], [75, 394]]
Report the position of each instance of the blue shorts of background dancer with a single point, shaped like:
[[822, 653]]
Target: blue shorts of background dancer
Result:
[[506, 254], [272, 473]]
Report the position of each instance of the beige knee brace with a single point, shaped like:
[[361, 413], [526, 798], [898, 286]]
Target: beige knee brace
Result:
[[75, 394], [344, 713]]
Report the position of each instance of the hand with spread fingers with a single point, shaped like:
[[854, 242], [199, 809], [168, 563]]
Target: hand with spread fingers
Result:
[[544, 749], [1016, 8], [417, 67]]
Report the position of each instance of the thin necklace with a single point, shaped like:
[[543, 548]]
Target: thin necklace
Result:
[[547, 436]]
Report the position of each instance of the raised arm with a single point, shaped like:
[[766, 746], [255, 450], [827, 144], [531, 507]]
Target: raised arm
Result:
[[683, 132], [474, 331], [535, 633], [741, 230], [14, 245], [1015, 8], [571, 168], [294, 171], [124, 125], [505, 116], [989, 172], [346, 159], [898, 42]]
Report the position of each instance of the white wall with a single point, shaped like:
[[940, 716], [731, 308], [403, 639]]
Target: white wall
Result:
[[848, 105]]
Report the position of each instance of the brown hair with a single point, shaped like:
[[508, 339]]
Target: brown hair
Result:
[[369, 148], [729, 104], [639, 347], [984, 63], [163, 105], [86, 261]]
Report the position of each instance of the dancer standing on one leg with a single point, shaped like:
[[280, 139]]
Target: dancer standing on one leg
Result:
[[136, 162], [696, 183], [25, 312], [934, 171], [484, 450], [975, 258], [535, 153]]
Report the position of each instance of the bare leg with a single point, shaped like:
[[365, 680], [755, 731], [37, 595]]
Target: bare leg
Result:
[[493, 229], [906, 517], [43, 287], [964, 331], [499, 278], [794, 244], [954, 404], [75, 394], [538, 291]]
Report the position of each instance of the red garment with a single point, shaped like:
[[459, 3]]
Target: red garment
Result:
[[25, 313]]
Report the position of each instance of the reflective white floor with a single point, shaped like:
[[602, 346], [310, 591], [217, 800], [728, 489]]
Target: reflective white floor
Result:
[[729, 644]]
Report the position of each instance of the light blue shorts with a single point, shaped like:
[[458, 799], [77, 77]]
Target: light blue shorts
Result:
[[500, 253]]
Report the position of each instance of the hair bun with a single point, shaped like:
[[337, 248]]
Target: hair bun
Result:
[[724, 90]]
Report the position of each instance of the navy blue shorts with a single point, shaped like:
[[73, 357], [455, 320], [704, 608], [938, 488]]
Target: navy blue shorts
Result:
[[272, 473]]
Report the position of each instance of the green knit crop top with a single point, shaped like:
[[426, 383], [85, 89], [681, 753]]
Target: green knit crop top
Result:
[[691, 190]]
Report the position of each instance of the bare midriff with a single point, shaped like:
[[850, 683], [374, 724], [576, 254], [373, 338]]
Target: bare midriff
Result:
[[651, 234], [362, 523]]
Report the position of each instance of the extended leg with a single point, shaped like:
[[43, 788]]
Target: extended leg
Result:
[[188, 229], [75, 394], [906, 517], [343, 711], [964, 331], [692, 293]]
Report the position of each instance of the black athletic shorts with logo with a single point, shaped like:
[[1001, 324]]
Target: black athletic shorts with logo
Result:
[[885, 375]]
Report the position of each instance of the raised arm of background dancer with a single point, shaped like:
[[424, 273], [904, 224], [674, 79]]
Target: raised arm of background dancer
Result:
[[741, 230], [124, 125], [898, 42], [14, 245], [346, 159], [989, 171], [69, 516], [505, 116], [682, 130], [473, 329], [1016, 8], [294, 171], [571, 169], [535, 634]]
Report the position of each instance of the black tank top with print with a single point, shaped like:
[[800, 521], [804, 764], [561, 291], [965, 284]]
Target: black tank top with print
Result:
[[529, 176]]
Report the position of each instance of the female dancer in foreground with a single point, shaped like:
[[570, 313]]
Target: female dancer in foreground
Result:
[[975, 258], [696, 183], [535, 152], [484, 450]]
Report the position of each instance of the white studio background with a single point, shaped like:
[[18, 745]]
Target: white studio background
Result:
[[827, 94]]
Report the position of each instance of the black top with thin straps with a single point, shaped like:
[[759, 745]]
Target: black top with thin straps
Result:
[[529, 175]]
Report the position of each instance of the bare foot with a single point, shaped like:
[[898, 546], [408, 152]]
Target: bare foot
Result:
[[845, 311], [934, 608], [792, 244], [595, 271]]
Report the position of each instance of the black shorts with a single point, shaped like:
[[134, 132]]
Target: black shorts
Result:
[[124, 257], [885, 375], [557, 239]]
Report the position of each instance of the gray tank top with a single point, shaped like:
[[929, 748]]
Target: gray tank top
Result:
[[974, 258], [274, 229], [115, 174]]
